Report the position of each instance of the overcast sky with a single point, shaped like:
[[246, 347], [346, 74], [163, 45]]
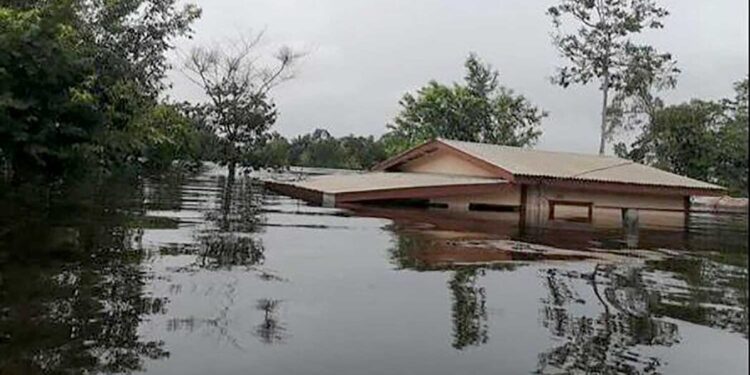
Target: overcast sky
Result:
[[364, 55]]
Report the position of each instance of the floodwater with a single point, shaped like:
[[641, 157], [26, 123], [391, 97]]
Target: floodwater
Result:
[[195, 274]]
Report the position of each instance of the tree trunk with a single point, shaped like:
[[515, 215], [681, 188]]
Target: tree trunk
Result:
[[603, 135], [232, 166], [231, 158]]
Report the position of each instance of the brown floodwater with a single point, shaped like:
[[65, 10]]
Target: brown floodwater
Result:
[[195, 274]]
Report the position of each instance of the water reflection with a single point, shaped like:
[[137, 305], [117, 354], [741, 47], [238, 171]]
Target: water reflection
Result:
[[223, 250], [420, 251], [92, 279], [600, 320], [232, 241], [606, 337], [226, 238], [701, 290], [218, 325], [271, 330], [469, 309], [638, 305], [71, 287]]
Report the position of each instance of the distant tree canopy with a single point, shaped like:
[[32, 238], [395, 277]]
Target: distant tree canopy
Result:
[[319, 149], [477, 110], [80, 83], [706, 140]]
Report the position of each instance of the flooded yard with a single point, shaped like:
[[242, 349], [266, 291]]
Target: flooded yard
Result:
[[194, 274]]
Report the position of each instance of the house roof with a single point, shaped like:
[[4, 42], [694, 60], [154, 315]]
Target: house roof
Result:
[[382, 185], [528, 163], [371, 181]]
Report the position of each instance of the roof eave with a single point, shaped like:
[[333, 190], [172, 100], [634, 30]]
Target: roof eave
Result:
[[624, 187]]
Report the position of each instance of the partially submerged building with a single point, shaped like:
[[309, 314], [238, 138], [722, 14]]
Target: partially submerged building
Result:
[[541, 186]]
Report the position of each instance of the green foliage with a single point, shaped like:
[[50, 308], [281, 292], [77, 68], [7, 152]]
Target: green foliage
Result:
[[479, 110], [317, 149], [166, 135], [79, 82], [681, 139], [361, 152], [602, 49], [273, 154], [700, 139], [47, 108], [320, 149]]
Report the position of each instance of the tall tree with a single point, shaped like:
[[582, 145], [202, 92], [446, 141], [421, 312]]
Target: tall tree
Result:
[[239, 109], [602, 49], [478, 110]]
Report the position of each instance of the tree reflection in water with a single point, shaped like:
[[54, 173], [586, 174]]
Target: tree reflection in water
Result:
[[419, 251], [602, 321], [271, 330], [605, 342], [71, 286], [230, 241], [469, 309], [637, 304], [237, 219], [222, 250]]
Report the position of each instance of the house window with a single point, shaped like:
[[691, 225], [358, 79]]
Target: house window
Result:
[[492, 207], [571, 211]]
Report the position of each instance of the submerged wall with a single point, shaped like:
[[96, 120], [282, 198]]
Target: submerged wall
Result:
[[606, 207], [653, 210]]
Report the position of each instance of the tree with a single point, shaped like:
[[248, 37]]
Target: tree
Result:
[[275, 152], [732, 145], [77, 78], [239, 109], [321, 149], [361, 152], [46, 109], [602, 49], [316, 149], [680, 139], [706, 140], [164, 135], [479, 110]]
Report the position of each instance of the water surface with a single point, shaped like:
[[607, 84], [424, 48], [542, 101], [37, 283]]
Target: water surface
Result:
[[195, 274]]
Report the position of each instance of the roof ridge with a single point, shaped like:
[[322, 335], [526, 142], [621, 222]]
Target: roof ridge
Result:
[[524, 149]]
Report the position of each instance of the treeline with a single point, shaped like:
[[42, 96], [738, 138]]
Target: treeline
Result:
[[320, 149]]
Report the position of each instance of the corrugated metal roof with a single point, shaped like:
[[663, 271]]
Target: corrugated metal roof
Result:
[[584, 167], [373, 181]]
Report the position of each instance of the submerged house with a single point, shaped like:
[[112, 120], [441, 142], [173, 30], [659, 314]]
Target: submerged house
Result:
[[538, 186]]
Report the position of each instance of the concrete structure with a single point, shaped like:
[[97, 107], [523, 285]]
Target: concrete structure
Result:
[[541, 186]]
